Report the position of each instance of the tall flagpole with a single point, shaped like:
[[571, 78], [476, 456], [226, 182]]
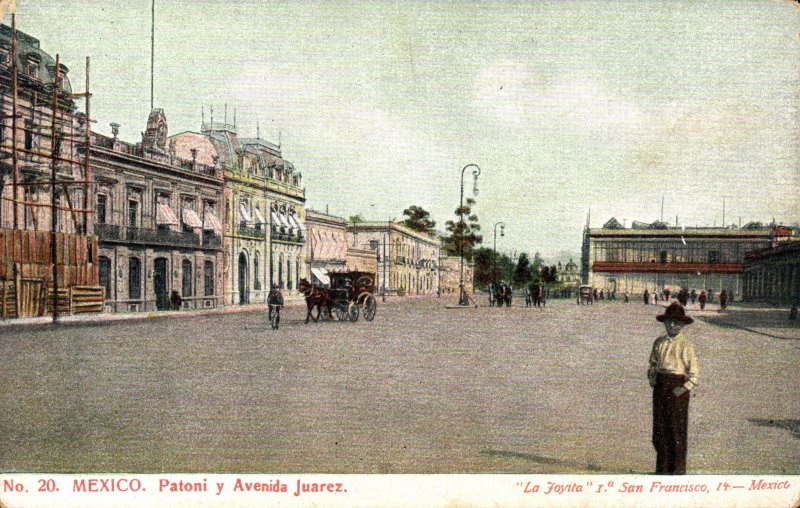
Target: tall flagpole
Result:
[[152, 52]]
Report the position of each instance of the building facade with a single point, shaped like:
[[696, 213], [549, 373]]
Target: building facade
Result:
[[44, 177], [264, 219], [158, 222], [772, 274], [327, 249], [450, 275], [408, 261], [658, 257]]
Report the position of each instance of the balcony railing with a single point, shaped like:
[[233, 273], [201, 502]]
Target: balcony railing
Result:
[[252, 232], [113, 232]]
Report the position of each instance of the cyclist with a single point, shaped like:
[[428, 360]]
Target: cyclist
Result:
[[275, 301]]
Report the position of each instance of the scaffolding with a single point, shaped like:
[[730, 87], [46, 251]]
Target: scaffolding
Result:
[[72, 252]]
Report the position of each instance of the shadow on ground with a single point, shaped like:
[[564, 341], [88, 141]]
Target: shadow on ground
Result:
[[767, 322], [792, 426], [539, 459]]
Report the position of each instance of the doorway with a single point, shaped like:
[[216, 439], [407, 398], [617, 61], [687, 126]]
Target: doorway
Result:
[[160, 283]]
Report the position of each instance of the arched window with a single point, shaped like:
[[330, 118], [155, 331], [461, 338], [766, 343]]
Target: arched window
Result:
[[186, 267], [134, 279], [104, 274], [256, 276], [288, 274], [297, 273], [208, 270]]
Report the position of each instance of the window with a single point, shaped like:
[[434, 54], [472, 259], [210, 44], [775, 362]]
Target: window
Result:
[[297, 274], [133, 213], [280, 271], [102, 201], [104, 275], [208, 270], [288, 274], [713, 256], [33, 70], [663, 256], [28, 135], [256, 278], [134, 279], [5, 57], [186, 267]]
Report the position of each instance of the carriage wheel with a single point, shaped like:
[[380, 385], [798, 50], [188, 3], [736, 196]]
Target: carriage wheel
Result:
[[340, 312], [352, 312], [370, 306]]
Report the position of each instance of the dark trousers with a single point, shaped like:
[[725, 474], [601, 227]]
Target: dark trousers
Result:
[[670, 422]]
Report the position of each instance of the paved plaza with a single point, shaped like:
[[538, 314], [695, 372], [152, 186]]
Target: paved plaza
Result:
[[421, 389]]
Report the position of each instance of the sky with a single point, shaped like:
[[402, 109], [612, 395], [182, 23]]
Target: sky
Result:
[[571, 109]]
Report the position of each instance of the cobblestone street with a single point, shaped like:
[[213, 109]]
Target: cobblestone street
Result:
[[421, 389]]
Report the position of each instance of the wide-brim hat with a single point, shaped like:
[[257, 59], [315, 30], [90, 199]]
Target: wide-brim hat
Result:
[[675, 312]]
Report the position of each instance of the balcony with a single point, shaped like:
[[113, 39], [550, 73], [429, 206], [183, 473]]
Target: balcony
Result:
[[145, 236], [633, 267], [252, 232]]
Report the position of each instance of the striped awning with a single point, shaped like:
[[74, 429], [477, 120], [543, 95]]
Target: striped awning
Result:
[[321, 275], [244, 215], [165, 215], [210, 221], [191, 219], [259, 217], [296, 223]]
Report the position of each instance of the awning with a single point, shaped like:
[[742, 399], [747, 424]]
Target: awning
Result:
[[244, 216], [259, 217], [321, 275], [191, 219], [284, 222], [275, 220], [296, 223], [165, 215], [210, 221]]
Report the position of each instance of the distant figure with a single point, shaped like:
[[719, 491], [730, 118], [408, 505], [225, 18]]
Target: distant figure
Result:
[[613, 295], [654, 297], [646, 297], [702, 300], [175, 301], [594, 294], [541, 300], [683, 296], [723, 300], [625, 297], [666, 294], [529, 294], [693, 296], [793, 313], [275, 303], [601, 295]]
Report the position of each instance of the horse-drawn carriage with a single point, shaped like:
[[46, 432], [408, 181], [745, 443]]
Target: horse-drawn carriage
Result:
[[350, 294], [585, 295]]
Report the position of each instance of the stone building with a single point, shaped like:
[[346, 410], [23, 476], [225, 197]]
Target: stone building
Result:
[[409, 260], [657, 257], [450, 275], [264, 218], [327, 249], [569, 277], [32, 143], [158, 221], [772, 274]]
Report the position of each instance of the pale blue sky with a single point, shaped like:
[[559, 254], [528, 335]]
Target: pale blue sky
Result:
[[564, 105]]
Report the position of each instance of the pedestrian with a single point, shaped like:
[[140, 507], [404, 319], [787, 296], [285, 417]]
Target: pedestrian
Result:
[[693, 296], [646, 297], [542, 299], [673, 373], [275, 302], [625, 297], [601, 295], [175, 300], [594, 294], [723, 300], [793, 313], [702, 300], [666, 294]]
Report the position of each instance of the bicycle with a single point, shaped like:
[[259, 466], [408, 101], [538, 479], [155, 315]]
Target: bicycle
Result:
[[274, 316]]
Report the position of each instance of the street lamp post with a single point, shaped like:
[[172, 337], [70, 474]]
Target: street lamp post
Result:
[[494, 249], [462, 295]]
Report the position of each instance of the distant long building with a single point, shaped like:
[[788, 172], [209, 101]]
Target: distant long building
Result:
[[657, 257]]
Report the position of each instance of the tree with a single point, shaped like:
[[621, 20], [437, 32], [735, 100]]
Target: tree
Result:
[[536, 267], [463, 235], [522, 272], [355, 219], [419, 220], [549, 274]]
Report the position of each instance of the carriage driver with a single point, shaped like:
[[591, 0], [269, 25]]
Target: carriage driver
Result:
[[275, 300]]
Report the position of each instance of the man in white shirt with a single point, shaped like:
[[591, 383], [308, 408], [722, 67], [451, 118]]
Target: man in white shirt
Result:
[[673, 374]]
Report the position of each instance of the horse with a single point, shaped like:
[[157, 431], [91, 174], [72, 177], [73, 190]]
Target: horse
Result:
[[316, 297]]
